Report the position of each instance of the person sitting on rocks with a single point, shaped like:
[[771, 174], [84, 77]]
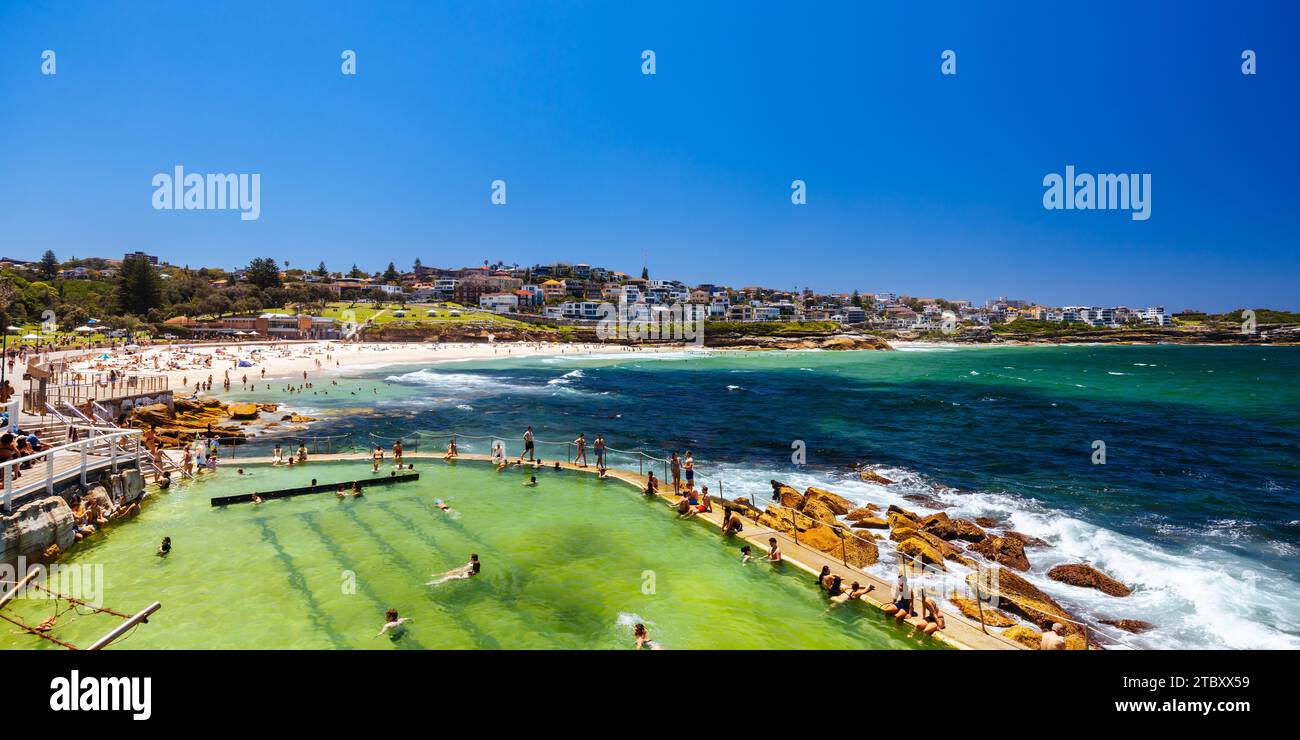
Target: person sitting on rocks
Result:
[[1053, 639]]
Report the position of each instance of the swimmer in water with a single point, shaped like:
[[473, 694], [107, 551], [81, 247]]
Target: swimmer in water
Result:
[[643, 641], [394, 624], [165, 547], [445, 508], [256, 499], [532, 481], [856, 591], [745, 557], [468, 570]]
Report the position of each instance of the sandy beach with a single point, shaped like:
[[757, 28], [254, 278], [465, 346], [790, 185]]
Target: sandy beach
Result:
[[186, 364]]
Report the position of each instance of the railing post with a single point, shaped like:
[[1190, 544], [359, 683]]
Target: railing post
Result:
[[49, 474], [9, 486], [794, 528], [979, 601], [83, 464]]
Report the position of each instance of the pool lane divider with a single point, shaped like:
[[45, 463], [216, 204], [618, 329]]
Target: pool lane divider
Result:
[[245, 498]]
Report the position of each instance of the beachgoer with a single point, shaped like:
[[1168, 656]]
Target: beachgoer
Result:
[[688, 465], [581, 452], [745, 555], [675, 467], [651, 485], [599, 446], [643, 641], [528, 444], [468, 570], [165, 548], [773, 552], [375, 457], [856, 591], [532, 481], [1053, 639], [394, 624], [397, 453]]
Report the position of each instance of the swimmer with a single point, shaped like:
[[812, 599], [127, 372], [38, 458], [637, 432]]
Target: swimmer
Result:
[[468, 570], [745, 556], [532, 481], [256, 499], [394, 624], [643, 641], [856, 591], [445, 508], [773, 552], [165, 548]]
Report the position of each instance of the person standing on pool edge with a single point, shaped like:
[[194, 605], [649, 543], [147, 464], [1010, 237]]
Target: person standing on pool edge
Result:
[[397, 453], [581, 442], [528, 445], [689, 466], [675, 467]]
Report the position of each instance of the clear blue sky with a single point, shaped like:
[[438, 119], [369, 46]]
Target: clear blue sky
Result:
[[917, 183]]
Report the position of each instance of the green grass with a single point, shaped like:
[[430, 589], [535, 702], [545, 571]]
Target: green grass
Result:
[[772, 328]]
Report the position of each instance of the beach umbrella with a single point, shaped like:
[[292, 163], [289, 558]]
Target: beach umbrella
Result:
[[31, 336], [83, 329]]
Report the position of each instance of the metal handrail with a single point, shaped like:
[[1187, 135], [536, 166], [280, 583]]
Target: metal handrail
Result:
[[83, 446]]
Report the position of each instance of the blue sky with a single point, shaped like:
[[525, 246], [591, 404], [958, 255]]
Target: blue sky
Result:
[[917, 182]]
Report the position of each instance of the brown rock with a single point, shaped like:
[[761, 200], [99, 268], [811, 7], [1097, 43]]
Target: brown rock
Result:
[[1003, 550], [873, 477], [1136, 626], [786, 496], [1025, 539], [897, 521], [818, 510], [1085, 576], [866, 512], [915, 547], [1027, 636], [870, 522], [243, 410], [992, 617], [836, 503], [985, 521]]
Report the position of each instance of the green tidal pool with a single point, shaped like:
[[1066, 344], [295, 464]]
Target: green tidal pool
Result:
[[569, 564]]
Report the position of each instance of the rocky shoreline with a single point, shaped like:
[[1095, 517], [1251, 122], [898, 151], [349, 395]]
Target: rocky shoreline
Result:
[[835, 525]]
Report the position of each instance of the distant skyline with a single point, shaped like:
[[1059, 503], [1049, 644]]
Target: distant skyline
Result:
[[917, 182]]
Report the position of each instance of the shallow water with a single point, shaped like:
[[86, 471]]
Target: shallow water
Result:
[[571, 563]]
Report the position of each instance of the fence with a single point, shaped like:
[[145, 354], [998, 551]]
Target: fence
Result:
[[115, 445], [78, 388]]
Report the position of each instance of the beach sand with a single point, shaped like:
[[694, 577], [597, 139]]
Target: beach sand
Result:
[[186, 364]]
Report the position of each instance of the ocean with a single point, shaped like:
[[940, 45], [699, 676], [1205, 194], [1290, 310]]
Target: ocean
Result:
[[1196, 507]]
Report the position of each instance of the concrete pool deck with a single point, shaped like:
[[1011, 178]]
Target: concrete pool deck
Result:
[[959, 632]]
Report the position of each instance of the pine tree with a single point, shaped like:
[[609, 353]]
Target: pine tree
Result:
[[139, 288], [49, 264]]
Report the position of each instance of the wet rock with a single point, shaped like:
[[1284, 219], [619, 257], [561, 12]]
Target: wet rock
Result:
[[1136, 626], [929, 502], [1026, 540], [1006, 551], [902, 521], [1085, 576], [870, 522], [986, 521], [818, 510], [872, 476]]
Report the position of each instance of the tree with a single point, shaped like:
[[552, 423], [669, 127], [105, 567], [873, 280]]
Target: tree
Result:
[[356, 272], [856, 299], [391, 275], [645, 273], [417, 267], [321, 271], [263, 272], [49, 264], [139, 288]]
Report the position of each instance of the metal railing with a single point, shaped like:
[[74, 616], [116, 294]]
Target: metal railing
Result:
[[77, 389], [99, 442]]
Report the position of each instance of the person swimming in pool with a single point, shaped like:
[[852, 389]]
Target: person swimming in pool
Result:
[[443, 506], [745, 555], [643, 641], [468, 570], [532, 481], [394, 624], [165, 548]]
